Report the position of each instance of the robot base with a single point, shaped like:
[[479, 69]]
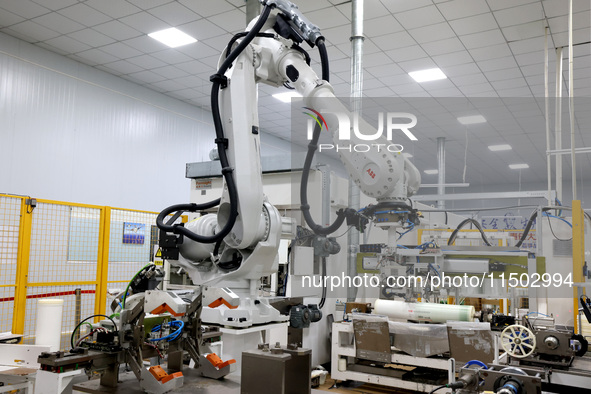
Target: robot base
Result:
[[250, 312]]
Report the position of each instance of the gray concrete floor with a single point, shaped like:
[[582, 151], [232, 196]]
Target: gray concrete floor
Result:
[[193, 384]]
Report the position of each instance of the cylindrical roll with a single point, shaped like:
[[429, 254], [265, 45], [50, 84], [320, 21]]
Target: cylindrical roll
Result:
[[48, 330], [428, 312]]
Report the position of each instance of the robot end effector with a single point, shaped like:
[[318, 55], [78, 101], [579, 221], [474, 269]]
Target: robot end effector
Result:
[[380, 172]]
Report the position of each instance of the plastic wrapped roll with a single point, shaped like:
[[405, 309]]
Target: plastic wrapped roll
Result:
[[48, 330], [426, 312]]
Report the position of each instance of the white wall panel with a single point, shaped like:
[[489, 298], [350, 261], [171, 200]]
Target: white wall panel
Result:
[[71, 132]]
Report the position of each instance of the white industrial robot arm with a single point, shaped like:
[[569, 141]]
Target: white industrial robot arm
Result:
[[242, 240]]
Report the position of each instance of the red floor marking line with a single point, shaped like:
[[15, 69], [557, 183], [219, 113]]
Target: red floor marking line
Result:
[[47, 295]]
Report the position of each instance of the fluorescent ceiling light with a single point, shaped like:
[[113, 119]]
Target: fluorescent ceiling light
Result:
[[172, 37], [473, 119], [286, 96], [496, 148], [431, 172], [518, 166], [431, 74], [407, 155]]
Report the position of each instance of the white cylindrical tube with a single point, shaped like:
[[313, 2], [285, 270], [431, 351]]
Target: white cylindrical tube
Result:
[[48, 329], [427, 312], [342, 364]]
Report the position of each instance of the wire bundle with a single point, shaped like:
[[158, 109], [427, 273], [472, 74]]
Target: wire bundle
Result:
[[90, 334], [178, 324], [84, 321]]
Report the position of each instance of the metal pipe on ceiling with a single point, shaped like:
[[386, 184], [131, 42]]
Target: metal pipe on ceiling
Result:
[[441, 171], [547, 110], [558, 123], [571, 103], [357, 39]]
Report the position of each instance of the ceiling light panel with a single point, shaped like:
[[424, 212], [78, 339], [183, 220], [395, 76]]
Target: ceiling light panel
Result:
[[172, 37], [518, 166], [431, 172], [431, 74], [497, 148], [473, 119]]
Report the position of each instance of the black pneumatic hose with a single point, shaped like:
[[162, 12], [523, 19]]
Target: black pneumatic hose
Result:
[[222, 145], [453, 235], [312, 146], [323, 299]]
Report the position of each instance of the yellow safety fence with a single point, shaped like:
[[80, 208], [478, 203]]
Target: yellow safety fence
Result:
[[75, 252]]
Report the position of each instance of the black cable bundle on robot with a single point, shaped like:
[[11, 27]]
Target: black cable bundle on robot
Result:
[[218, 81], [312, 146]]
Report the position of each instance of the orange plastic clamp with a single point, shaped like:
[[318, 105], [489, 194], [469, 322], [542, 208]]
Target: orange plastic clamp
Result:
[[221, 301], [217, 362], [158, 372], [168, 378]]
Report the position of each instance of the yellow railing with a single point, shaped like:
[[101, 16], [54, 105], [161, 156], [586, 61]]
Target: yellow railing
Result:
[[54, 248]]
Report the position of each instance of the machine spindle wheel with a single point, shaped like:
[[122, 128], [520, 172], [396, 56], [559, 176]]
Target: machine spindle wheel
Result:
[[518, 341]]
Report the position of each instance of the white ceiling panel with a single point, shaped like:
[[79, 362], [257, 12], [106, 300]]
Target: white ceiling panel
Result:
[[202, 29], [26, 9], [408, 53], [426, 33], [149, 4], [58, 22], [67, 44], [174, 13], [120, 50], [393, 41], [144, 22], [483, 39], [114, 8], [209, 8], [472, 79], [7, 18], [474, 24], [461, 70], [396, 7], [527, 46], [84, 14], [520, 15], [92, 38], [232, 21], [419, 17], [35, 31], [453, 59], [487, 48], [490, 52], [452, 10], [442, 47], [117, 30], [503, 4], [553, 8], [523, 32]]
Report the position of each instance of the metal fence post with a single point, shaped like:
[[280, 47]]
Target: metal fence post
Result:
[[102, 268], [22, 267]]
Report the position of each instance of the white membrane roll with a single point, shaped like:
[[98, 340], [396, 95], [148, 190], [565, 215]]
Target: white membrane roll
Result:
[[48, 329], [419, 311]]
